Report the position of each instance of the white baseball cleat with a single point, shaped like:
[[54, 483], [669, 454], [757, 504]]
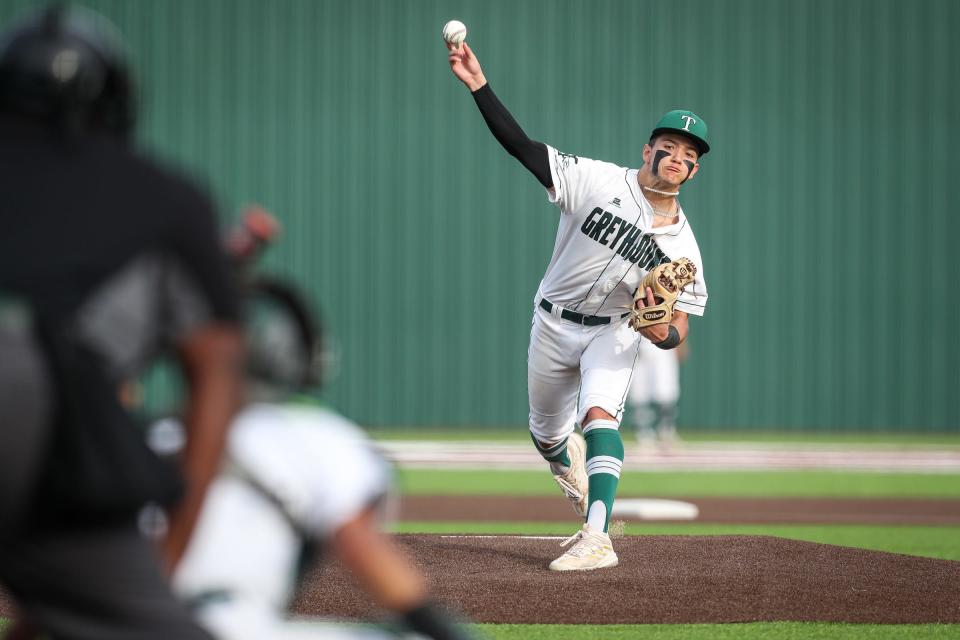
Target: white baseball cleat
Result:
[[574, 482], [591, 550]]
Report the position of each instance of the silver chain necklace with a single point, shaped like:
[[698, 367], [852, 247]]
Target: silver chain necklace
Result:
[[662, 214]]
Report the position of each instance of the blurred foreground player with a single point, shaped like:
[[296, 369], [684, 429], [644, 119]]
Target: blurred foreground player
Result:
[[298, 475], [106, 260]]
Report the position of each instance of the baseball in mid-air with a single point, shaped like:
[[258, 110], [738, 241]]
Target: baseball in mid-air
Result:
[[455, 32]]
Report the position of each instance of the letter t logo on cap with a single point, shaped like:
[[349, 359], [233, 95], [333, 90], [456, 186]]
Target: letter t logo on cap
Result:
[[689, 121]]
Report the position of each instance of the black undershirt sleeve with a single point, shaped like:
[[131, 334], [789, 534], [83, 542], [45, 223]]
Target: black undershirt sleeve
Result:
[[530, 153], [196, 241]]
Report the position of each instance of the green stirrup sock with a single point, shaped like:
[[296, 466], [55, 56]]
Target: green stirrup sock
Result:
[[604, 462], [554, 453]]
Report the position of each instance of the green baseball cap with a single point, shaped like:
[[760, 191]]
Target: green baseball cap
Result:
[[686, 123]]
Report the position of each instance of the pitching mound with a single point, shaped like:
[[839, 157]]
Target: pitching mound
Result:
[[664, 579]]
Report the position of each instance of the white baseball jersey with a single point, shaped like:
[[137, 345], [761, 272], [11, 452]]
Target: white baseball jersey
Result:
[[292, 472], [606, 241]]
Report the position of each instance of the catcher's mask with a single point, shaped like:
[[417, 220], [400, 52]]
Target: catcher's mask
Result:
[[284, 342], [65, 67]]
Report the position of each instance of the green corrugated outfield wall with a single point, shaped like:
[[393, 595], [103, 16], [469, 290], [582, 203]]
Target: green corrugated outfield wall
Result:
[[826, 214]]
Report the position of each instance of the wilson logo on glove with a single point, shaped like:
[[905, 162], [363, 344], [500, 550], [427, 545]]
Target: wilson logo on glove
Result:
[[667, 282]]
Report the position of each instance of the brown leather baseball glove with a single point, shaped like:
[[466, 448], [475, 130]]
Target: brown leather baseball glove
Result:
[[667, 281]]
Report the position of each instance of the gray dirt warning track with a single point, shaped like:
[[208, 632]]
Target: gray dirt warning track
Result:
[[664, 579], [687, 456], [912, 511]]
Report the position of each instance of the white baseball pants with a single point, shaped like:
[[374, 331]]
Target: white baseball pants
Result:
[[571, 368]]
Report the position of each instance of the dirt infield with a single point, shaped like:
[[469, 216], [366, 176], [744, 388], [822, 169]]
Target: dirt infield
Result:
[[668, 578], [719, 510], [665, 579], [661, 579]]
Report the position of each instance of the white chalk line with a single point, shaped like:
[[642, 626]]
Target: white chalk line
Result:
[[492, 537]]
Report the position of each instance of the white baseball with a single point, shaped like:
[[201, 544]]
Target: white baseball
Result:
[[454, 32]]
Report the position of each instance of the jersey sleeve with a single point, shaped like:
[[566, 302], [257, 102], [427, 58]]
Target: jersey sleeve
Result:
[[693, 299], [683, 244], [574, 179]]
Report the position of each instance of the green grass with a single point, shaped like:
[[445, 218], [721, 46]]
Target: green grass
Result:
[[931, 542], [765, 630], [697, 484], [754, 630]]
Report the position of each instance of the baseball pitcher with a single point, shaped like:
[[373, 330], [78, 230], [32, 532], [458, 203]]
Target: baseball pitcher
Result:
[[625, 264]]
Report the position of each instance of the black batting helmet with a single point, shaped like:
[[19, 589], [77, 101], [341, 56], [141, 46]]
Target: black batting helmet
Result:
[[66, 67]]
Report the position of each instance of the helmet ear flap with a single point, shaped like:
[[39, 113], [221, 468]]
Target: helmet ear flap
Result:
[[116, 109]]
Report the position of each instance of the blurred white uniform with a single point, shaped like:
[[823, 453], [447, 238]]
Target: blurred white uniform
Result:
[[655, 391], [292, 472], [656, 376]]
